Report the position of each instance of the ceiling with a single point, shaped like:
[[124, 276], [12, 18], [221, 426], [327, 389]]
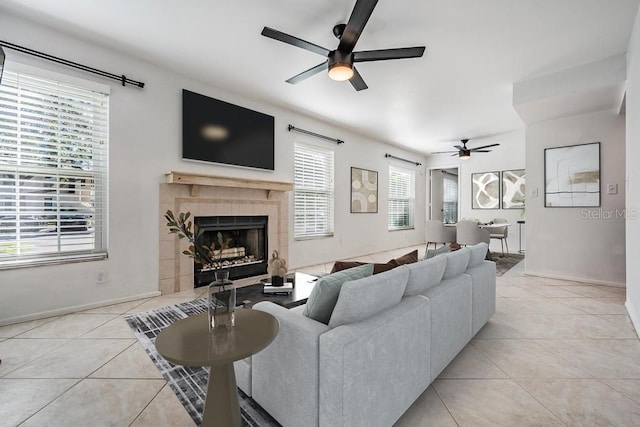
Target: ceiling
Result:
[[461, 88]]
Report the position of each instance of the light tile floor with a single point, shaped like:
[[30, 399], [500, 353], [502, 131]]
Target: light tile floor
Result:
[[555, 353]]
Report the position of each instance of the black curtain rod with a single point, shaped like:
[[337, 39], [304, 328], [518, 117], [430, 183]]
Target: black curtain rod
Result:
[[123, 79], [317, 135], [400, 158]]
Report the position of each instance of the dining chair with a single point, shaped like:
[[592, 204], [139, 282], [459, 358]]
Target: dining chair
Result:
[[437, 232], [468, 233], [501, 233]]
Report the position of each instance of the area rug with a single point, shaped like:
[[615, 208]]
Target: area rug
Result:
[[506, 263], [189, 384]]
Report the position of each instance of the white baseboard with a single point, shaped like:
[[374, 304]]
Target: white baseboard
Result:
[[574, 279], [75, 308], [635, 317]]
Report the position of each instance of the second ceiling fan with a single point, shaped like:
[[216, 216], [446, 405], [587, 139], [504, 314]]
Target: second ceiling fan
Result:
[[463, 152], [340, 62]]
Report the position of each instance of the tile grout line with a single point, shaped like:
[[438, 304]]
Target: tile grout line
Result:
[[556, 416], [444, 404]]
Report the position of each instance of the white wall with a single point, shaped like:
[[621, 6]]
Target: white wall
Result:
[[145, 143], [509, 155], [633, 176], [576, 243]]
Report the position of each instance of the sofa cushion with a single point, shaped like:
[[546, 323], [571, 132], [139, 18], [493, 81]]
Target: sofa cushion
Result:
[[363, 298], [378, 267], [478, 254], [325, 293], [424, 275], [457, 262]]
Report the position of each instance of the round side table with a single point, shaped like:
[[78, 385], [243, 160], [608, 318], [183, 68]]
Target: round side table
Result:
[[189, 343]]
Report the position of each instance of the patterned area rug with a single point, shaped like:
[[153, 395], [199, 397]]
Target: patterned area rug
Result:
[[506, 263], [189, 384]]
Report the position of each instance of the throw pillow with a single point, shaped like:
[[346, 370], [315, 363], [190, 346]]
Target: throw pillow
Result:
[[378, 267], [409, 258], [363, 298], [325, 293], [433, 252]]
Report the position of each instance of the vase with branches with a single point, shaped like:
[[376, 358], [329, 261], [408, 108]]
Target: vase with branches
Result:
[[221, 294]]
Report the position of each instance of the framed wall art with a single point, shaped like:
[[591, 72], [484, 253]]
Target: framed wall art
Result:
[[485, 190], [364, 191], [572, 176], [513, 189]]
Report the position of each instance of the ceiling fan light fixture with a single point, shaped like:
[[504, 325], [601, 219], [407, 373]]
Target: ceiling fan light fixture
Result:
[[340, 66], [464, 154], [340, 72]]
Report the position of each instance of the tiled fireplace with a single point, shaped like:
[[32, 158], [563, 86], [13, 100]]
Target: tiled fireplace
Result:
[[217, 197]]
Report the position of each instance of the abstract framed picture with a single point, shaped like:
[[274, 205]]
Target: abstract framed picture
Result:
[[513, 189], [485, 190], [364, 191], [572, 176]]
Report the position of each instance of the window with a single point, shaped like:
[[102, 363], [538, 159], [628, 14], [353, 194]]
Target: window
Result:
[[401, 198], [449, 197], [313, 192], [53, 171]]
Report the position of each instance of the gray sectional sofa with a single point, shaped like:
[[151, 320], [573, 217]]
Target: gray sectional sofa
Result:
[[390, 335]]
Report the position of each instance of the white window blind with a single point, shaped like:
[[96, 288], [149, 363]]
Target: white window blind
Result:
[[313, 192], [401, 198], [53, 171], [449, 198]]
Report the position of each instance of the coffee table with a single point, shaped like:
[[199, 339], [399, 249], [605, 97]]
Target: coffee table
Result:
[[189, 343], [304, 283]]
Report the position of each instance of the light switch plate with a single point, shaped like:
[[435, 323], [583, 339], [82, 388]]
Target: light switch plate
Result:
[[612, 188]]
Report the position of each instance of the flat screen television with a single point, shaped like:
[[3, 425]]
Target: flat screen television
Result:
[[219, 132]]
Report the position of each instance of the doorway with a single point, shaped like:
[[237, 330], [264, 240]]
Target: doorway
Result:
[[444, 194]]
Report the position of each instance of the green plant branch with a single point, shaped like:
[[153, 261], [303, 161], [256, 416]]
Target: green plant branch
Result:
[[181, 226]]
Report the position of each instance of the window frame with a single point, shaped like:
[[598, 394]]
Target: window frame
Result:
[[326, 227], [409, 198], [68, 191]]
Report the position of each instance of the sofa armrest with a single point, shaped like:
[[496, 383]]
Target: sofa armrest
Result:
[[285, 374], [372, 371]]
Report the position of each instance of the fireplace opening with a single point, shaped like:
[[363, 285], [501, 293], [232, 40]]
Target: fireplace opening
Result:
[[245, 246]]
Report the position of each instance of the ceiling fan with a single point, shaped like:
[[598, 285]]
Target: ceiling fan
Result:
[[340, 62], [463, 152]]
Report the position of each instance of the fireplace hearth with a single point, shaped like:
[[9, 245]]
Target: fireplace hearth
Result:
[[246, 246]]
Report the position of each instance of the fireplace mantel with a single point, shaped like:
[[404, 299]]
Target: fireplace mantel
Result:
[[195, 181]]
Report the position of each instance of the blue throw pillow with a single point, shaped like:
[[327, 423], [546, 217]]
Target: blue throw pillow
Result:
[[325, 293], [431, 252]]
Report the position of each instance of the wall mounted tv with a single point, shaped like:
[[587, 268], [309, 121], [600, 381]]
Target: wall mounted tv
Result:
[[219, 132]]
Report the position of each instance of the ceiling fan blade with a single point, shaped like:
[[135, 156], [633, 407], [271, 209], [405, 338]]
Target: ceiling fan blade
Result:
[[357, 82], [480, 151], [386, 54], [443, 152], [459, 147], [306, 74], [294, 41], [359, 17], [484, 146]]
